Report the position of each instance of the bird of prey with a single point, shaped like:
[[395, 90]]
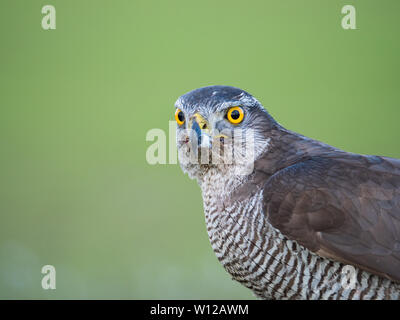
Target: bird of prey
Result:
[[305, 220]]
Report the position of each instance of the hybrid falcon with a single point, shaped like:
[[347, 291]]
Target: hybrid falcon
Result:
[[298, 219]]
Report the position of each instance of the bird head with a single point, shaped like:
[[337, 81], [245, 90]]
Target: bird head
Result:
[[221, 127]]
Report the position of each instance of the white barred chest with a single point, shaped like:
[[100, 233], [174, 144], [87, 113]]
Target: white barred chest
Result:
[[273, 267]]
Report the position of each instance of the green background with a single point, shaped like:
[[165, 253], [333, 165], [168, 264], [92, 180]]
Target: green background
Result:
[[76, 104]]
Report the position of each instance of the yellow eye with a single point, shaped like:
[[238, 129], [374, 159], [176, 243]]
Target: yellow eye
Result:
[[235, 115], [179, 117]]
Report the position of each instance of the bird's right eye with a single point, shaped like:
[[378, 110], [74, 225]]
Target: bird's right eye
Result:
[[179, 117]]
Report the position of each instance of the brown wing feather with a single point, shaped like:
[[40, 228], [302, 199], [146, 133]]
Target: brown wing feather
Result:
[[345, 207]]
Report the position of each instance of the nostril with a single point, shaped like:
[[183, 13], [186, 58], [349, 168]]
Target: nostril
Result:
[[204, 126]]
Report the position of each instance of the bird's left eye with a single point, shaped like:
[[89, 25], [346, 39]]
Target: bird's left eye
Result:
[[179, 117], [235, 115]]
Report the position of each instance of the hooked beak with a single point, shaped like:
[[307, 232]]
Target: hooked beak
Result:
[[200, 132]]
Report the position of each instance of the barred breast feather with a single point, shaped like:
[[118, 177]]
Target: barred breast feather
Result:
[[260, 257]]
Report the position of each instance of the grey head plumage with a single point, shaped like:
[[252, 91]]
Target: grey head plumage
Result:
[[209, 107]]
